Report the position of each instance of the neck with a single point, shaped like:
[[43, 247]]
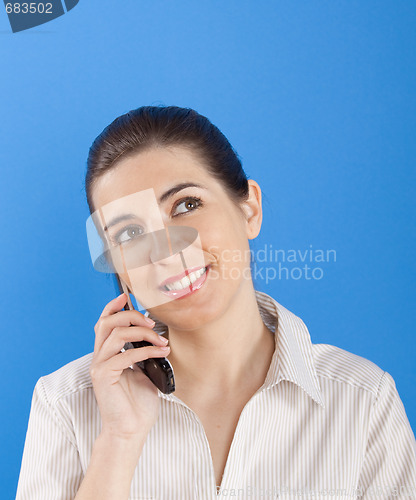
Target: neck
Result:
[[222, 356]]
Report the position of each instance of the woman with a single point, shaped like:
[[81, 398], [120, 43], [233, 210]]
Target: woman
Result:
[[258, 410]]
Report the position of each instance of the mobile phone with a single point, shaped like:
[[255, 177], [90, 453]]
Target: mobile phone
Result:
[[159, 370]]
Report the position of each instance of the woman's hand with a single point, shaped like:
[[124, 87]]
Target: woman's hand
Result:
[[127, 399]]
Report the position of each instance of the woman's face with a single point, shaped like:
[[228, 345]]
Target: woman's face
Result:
[[223, 232]]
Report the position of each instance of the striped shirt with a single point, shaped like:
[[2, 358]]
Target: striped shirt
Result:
[[325, 424]]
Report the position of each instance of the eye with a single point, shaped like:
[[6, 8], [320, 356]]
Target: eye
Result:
[[128, 233], [186, 205]]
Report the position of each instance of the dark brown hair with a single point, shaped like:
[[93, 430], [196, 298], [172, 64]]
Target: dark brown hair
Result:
[[163, 126]]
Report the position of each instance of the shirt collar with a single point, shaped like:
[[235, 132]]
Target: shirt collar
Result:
[[292, 359]]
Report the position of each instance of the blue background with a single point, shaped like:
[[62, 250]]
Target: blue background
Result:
[[317, 97]]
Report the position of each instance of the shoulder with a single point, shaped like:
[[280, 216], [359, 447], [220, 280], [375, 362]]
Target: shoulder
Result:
[[342, 366], [331, 363], [74, 377]]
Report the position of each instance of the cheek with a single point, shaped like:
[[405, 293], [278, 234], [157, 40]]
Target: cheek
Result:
[[143, 286], [226, 239], [231, 253], [126, 278], [220, 224]]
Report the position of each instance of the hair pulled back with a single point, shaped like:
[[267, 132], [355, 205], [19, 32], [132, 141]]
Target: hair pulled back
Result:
[[162, 126]]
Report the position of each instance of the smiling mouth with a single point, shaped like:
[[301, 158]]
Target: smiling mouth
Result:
[[190, 281]]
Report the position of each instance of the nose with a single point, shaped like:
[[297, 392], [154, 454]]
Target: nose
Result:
[[153, 247], [170, 241], [159, 245]]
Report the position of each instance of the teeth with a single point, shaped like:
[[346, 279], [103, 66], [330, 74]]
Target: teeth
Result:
[[186, 281], [193, 277]]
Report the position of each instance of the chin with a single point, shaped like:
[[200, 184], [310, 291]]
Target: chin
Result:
[[192, 314]]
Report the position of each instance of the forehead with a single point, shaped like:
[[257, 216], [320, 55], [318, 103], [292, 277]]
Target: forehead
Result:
[[155, 169]]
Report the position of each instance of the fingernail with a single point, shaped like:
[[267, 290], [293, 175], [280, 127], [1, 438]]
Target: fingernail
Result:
[[163, 339], [149, 321], [165, 348]]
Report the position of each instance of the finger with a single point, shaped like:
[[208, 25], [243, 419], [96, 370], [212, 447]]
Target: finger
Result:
[[125, 359], [114, 305], [120, 335], [106, 324]]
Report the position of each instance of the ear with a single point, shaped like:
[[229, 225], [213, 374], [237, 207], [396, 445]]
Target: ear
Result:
[[253, 210]]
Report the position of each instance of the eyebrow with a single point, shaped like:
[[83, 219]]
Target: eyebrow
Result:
[[119, 219], [175, 189], [167, 194]]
